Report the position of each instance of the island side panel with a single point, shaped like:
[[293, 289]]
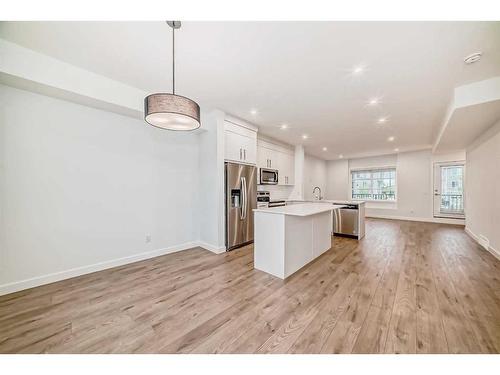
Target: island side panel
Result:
[[269, 243], [322, 238], [298, 242]]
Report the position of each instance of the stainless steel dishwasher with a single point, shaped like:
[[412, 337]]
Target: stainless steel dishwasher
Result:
[[349, 221]]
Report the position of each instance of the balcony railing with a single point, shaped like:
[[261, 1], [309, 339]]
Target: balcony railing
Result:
[[452, 203], [375, 197]]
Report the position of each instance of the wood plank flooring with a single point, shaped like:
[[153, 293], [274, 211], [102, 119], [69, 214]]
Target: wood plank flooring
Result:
[[407, 287]]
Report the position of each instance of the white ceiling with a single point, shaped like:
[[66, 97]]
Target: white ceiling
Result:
[[298, 73]]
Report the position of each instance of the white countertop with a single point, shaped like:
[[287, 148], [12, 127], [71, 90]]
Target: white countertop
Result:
[[331, 201], [300, 209]]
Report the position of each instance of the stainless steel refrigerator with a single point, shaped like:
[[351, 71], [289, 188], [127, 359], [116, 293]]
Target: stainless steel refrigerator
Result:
[[241, 199]]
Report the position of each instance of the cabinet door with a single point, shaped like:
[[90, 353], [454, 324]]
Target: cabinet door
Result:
[[233, 146], [291, 169], [263, 157], [249, 146], [286, 169], [274, 159], [280, 165]]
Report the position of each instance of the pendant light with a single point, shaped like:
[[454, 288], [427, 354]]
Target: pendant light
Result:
[[171, 111]]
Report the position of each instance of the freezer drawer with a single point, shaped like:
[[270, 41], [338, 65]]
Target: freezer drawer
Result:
[[346, 221]]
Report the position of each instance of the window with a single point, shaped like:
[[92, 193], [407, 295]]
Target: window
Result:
[[374, 184]]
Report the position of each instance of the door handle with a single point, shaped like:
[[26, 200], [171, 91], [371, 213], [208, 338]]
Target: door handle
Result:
[[243, 187]]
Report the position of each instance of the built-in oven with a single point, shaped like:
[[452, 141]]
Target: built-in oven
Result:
[[268, 176]]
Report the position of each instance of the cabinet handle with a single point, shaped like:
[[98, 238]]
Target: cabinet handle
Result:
[[240, 154], [245, 154], [271, 163]]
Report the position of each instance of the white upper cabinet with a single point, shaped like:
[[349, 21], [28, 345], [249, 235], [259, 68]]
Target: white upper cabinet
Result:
[[286, 171], [278, 157], [266, 157], [240, 143]]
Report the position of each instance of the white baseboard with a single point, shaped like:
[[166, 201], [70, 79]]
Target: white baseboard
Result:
[[490, 249], [67, 274], [212, 248], [421, 219]]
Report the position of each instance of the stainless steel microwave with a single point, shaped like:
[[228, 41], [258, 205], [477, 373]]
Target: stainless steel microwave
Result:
[[268, 176]]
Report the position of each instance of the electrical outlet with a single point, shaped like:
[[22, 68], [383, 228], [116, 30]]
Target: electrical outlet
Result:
[[148, 238]]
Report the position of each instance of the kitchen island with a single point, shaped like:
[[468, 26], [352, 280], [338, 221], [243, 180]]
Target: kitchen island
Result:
[[287, 238]]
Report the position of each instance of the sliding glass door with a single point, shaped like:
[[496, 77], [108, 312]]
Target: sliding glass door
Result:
[[449, 190]]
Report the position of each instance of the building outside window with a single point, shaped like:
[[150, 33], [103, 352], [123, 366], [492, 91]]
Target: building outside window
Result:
[[378, 184]]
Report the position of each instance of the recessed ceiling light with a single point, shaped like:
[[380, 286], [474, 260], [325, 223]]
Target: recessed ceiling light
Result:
[[396, 149], [253, 111], [382, 120], [283, 126], [325, 149], [358, 69], [305, 136], [391, 138], [472, 58], [341, 156], [374, 101]]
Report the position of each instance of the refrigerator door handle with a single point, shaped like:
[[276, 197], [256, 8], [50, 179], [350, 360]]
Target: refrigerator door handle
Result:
[[243, 214]]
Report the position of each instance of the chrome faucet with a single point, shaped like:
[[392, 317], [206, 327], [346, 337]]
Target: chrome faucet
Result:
[[318, 197]]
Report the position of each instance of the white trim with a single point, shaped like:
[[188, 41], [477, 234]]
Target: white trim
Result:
[[212, 248], [239, 122], [439, 164], [370, 169], [489, 249], [421, 219], [78, 271]]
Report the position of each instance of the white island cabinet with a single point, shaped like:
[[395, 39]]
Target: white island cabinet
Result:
[[287, 238]]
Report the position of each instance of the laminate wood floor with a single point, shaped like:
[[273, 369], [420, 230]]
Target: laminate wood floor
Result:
[[407, 287]]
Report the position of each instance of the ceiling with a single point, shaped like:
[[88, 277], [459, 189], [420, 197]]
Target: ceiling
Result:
[[294, 73]]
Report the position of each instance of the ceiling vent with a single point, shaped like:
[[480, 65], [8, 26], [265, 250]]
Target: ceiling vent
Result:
[[473, 58]]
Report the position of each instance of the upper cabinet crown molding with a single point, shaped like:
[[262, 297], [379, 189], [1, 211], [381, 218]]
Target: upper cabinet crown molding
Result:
[[241, 123]]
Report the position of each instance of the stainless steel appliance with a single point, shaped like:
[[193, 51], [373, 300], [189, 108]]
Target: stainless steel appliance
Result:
[[263, 198], [277, 203], [349, 221], [268, 176], [241, 199]]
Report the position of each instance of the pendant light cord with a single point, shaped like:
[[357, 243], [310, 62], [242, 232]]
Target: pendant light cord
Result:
[[173, 60]]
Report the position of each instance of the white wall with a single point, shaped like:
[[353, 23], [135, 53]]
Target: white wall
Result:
[[414, 183], [298, 187], [81, 186], [211, 182], [482, 199], [337, 180], [314, 175]]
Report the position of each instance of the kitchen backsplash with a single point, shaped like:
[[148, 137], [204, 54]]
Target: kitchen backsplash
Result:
[[277, 192]]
